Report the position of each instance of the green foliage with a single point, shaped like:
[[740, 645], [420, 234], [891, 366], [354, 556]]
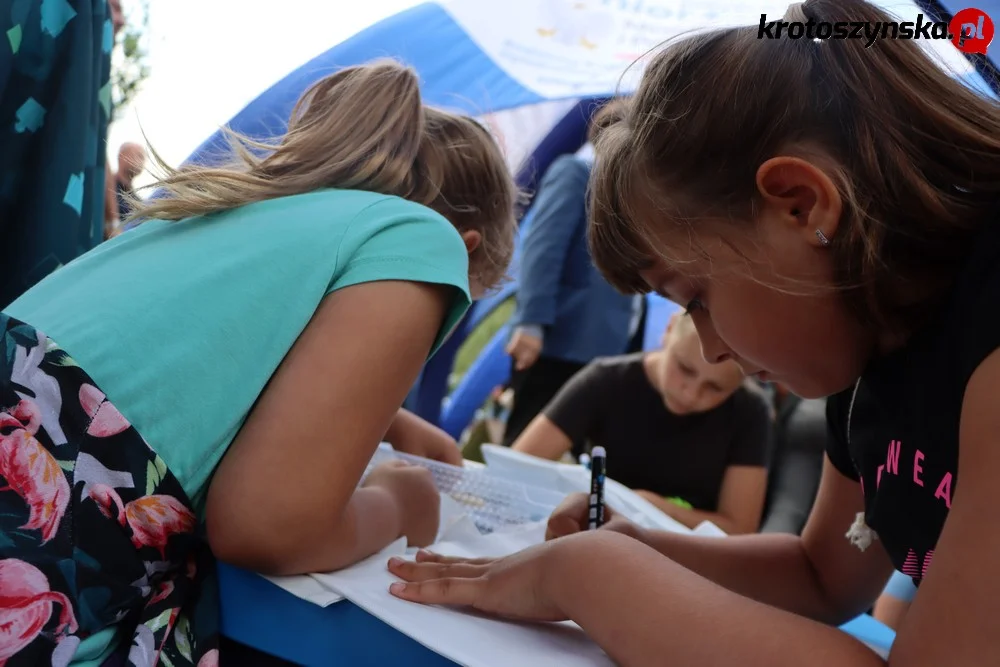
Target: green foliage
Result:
[[129, 68], [479, 337]]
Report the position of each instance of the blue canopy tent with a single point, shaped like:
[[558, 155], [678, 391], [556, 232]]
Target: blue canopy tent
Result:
[[534, 71]]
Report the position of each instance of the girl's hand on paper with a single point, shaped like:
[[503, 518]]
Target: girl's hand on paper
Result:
[[512, 587], [417, 499], [572, 516]]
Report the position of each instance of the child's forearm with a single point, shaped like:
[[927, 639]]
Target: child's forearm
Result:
[[643, 609], [369, 523], [773, 569]]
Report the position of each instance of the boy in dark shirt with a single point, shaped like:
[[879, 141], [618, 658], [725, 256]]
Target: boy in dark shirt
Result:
[[689, 436]]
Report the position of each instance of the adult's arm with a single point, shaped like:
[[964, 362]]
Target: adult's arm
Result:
[[559, 210]]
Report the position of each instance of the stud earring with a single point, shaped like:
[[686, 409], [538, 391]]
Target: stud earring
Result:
[[823, 241]]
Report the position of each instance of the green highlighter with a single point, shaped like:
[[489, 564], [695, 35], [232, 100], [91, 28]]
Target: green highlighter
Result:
[[680, 502]]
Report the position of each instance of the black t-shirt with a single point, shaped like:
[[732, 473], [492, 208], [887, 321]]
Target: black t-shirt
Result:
[[612, 404], [900, 438]]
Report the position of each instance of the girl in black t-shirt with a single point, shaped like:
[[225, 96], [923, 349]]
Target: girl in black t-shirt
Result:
[[827, 211]]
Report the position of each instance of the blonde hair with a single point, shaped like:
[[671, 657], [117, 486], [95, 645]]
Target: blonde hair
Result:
[[913, 152], [363, 128]]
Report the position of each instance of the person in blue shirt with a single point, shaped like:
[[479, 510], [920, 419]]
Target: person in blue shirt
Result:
[[567, 314], [215, 381]]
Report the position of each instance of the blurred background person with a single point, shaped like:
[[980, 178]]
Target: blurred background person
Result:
[[131, 163], [688, 436], [566, 314]]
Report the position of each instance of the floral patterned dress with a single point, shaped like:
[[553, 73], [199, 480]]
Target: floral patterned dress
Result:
[[95, 531]]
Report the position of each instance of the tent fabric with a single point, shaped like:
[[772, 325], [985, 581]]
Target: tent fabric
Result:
[[521, 52], [534, 71], [459, 77]]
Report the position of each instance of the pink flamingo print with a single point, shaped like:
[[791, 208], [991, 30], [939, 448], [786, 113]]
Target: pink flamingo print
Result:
[[105, 420], [31, 471], [152, 519], [26, 606]]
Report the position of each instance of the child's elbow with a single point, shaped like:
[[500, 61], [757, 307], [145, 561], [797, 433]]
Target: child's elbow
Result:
[[253, 540], [258, 548]]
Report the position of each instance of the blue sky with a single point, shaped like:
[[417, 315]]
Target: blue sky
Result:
[[208, 58]]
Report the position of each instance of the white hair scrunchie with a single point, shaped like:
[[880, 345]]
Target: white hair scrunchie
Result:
[[860, 534]]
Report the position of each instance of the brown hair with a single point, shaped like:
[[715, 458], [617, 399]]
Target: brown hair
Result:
[[914, 154], [364, 128], [609, 114]]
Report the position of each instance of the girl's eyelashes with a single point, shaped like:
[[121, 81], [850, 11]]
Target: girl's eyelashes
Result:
[[693, 305]]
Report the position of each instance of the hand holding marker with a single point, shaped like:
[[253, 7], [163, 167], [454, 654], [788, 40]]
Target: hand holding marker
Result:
[[598, 464]]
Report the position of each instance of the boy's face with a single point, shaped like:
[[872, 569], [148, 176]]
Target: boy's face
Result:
[[687, 382]]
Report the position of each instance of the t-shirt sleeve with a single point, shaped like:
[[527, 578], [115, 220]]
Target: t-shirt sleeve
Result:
[[575, 409], [836, 442], [753, 430], [394, 239]]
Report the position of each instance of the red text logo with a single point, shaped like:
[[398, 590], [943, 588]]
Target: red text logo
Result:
[[971, 30]]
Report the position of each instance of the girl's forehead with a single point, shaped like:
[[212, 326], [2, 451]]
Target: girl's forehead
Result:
[[696, 254], [677, 264]]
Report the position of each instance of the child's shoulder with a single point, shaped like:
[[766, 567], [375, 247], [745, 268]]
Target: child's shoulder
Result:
[[345, 203], [621, 368], [353, 217]]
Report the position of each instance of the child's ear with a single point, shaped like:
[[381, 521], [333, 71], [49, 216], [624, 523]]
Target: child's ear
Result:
[[802, 194], [472, 240]]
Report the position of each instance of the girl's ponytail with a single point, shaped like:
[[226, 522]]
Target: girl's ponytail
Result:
[[360, 128], [365, 128]]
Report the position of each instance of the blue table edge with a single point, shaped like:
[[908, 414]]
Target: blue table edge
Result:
[[260, 614]]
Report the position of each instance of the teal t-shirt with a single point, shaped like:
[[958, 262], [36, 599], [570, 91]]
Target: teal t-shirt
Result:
[[182, 324]]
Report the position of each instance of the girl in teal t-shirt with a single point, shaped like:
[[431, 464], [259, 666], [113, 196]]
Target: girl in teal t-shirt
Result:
[[216, 380]]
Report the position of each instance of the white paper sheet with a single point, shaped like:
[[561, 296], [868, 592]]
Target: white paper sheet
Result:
[[467, 638], [305, 587], [708, 529], [457, 528], [568, 478]]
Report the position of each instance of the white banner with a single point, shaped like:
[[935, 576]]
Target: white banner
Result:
[[576, 48]]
